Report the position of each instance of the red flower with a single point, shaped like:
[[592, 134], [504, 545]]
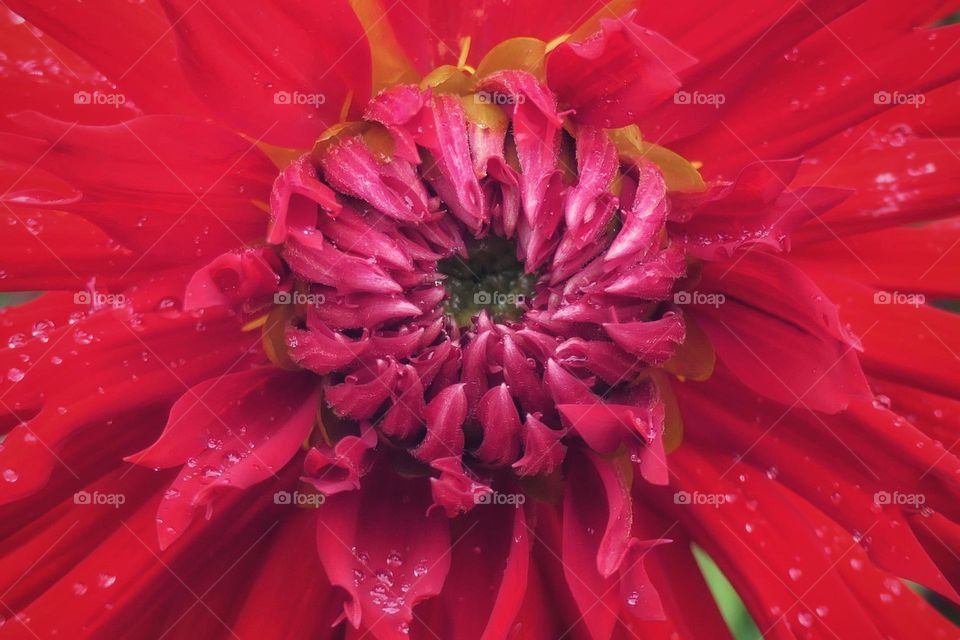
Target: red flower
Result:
[[499, 354]]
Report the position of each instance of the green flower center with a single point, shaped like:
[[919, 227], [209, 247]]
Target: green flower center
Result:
[[491, 279]]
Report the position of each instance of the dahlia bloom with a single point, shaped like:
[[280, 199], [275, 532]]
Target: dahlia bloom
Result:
[[473, 320]]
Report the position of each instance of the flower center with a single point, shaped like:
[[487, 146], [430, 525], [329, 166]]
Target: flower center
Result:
[[475, 281], [490, 279]]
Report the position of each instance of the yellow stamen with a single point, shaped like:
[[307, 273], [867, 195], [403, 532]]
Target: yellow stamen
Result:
[[345, 109], [556, 42], [256, 324], [464, 51]]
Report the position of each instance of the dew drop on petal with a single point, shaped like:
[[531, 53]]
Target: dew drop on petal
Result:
[[10, 475], [105, 580]]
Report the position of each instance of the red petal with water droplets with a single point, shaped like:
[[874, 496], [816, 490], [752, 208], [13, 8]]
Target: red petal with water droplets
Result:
[[321, 350], [350, 167], [488, 572], [171, 188], [393, 108], [597, 163], [240, 279], [501, 427], [140, 58], [644, 217], [456, 491], [339, 468], [278, 82], [444, 416], [229, 432], [617, 74], [442, 129], [378, 545], [295, 198], [654, 341], [536, 127], [360, 395], [317, 260], [542, 450]]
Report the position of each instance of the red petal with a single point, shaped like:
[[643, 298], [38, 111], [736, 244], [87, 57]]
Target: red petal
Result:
[[263, 69], [488, 572], [168, 187], [824, 373], [501, 427], [617, 74], [294, 199], [653, 341], [233, 431], [140, 58], [378, 545], [234, 279], [339, 468], [542, 450], [444, 416]]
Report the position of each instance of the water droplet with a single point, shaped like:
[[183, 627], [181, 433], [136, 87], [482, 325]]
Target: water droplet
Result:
[[79, 588], [805, 619], [105, 580], [10, 475], [420, 570], [794, 573], [394, 559], [15, 375]]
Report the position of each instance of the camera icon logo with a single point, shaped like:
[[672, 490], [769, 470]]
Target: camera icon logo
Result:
[[882, 497], [81, 497], [682, 297], [482, 297], [82, 297], [485, 497], [282, 97], [282, 297], [682, 497], [82, 97], [882, 297], [282, 497], [682, 97], [882, 97]]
